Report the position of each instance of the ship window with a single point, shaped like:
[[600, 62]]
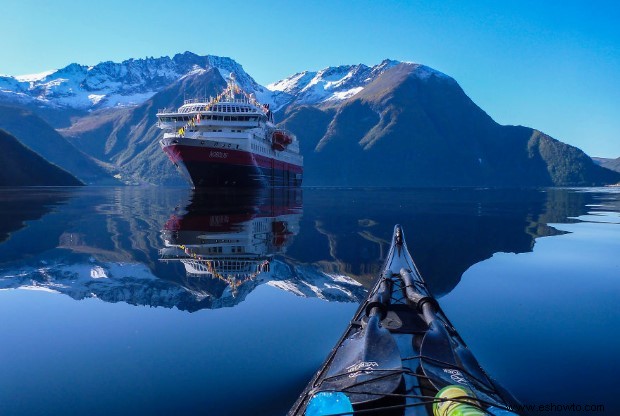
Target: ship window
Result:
[[233, 118]]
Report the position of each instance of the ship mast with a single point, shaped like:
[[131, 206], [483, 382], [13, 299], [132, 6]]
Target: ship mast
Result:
[[232, 84]]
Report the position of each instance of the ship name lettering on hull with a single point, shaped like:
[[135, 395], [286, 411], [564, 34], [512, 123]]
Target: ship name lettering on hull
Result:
[[219, 155]]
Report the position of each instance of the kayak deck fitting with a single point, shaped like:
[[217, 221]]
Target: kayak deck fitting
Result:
[[401, 355]]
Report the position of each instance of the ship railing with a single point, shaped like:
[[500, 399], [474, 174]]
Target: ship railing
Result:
[[210, 99], [196, 100]]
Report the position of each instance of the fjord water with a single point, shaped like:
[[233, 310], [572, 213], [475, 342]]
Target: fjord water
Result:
[[113, 300]]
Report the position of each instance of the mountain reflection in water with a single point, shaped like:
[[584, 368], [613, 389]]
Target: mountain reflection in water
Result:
[[197, 250]]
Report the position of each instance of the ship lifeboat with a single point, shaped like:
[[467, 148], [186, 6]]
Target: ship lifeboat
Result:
[[280, 139]]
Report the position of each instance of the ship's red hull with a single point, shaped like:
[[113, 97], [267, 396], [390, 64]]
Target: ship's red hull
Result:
[[209, 167]]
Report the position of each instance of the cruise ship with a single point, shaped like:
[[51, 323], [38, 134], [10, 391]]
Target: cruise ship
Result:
[[230, 141]]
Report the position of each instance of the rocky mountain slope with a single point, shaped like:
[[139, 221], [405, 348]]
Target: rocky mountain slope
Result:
[[613, 164], [23, 167], [34, 133]]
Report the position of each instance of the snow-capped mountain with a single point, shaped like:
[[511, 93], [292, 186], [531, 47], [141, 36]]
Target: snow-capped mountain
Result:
[[334, 84], [110, 84], [135, 284], [133, 81]]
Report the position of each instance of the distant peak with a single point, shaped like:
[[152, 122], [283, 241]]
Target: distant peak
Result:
[[73, 67], [187, 54], [390, 62]]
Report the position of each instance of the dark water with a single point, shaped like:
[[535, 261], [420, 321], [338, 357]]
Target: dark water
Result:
[[119, 301]]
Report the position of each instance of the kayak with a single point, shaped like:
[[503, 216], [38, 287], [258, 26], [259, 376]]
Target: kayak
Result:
[[400, 355]]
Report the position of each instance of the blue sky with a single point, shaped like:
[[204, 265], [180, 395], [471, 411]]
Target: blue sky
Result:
[[551, 65]]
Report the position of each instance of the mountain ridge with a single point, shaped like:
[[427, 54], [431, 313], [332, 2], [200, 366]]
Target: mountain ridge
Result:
[[609, 163], [109, 84], [392, 113], [37, 135], [24, 167]]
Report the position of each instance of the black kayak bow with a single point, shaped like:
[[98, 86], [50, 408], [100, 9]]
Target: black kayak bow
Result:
[[367, 366], [400, 355]]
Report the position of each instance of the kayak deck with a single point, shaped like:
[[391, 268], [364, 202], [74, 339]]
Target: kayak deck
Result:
[[400, 355]]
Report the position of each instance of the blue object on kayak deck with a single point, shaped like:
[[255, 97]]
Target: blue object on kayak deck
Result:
[[329, 403]]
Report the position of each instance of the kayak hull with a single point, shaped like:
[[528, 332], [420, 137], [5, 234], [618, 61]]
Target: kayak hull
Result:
[[434, 361]]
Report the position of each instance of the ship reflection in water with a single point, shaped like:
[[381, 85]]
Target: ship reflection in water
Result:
[[230, 243], [227, 242]]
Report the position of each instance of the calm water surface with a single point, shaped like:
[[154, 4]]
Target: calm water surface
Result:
[[164, 301]]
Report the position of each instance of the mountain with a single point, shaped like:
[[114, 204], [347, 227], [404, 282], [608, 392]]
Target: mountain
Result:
[[33, 132], [332, 84], [414, 126], [20, 166], [392, 124], [613, 164], [110, 84]]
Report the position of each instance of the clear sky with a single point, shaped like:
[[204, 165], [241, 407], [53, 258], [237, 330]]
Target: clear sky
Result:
[[549, 64]]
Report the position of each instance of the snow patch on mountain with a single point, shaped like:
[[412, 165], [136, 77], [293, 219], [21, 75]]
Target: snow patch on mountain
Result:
[[34, 77], [343, 95], [308, 280], [97, 272], [328, 84]]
